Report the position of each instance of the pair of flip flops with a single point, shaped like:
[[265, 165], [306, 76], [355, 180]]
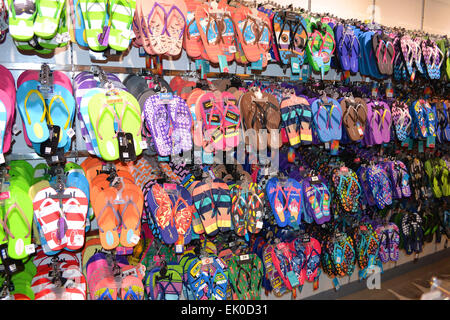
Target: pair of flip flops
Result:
[[401, 120], [159, 26], [286, 201], [321, 44], [380, 185], [39, 110], [22, 282], [61, 215], [317, 200], [384, 49], [85, 84], [171, 210], [39, 26], [117, 205], [245, 275], [247, 208], [220, 120], [347, 47], [296, 118], [169, 122], [106, 113], [389, 241], [17, 212], [399, 177], [354, 117], [164, 282], [7, 108], [212, 200], [379, 122], [347, 188], [58, 277], [112, 278], [104, 23], [261, 118], [327, 119], [433, 58], [290, 36]]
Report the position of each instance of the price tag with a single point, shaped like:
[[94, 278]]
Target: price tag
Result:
[[16, 130], [143, 144], [70, 133], [207, 261], [2, 158], [259, 225], [232, 49], [134, 239], [314, 178], [179, 248], [244, 257], [30, 249]]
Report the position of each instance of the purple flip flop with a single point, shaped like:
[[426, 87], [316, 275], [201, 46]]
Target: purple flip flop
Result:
[[157, 118]]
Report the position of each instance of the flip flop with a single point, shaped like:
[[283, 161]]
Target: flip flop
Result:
[[176, 24], [48, 18], [17, 222], [95, 17], [21, 26], [161, 207], [61, 112], [222, 204], [102, 119], [154, 25], [121, 15], [32, 109], [75, 210], [274, 191], [108, 218], [131, 212], [203, 200]]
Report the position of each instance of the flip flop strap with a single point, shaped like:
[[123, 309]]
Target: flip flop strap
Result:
[[137, 112], [128, 203], [116, 214], [164, 30], [24, 217], [103, 108], [89, 5], [115, 5], [58, 97], [219, 34], [174, 7], [25, 105]]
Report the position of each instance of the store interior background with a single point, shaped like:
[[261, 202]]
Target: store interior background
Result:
[[431, 16]]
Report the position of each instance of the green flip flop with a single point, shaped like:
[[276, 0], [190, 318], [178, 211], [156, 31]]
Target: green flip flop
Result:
[[21, 19], [121, 13], [95, 18], [102, 117], [47, 17], [17, 222]]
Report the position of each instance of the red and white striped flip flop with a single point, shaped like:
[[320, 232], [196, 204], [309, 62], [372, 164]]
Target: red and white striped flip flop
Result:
[[75, 211]]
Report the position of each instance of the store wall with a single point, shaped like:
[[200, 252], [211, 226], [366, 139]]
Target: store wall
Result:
[[405, 13]]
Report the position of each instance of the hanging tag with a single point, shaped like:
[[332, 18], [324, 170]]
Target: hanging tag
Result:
[[30, 249], [293, 280], [411, 144], [431, 141], [2, 158], [165, 97], [223, 65], [389, 90], [134, 239], [334, 147], [15, 129], [143, 144], [420, 146], [204, 69], [258, 64], [208, 158], [126, 147], [70, 133], [295, 65], [293, 223], [142, 52], [268, 56], [336, 284], [104, 36], [50, 146], [198, 64], [163, 159], [374, 90]]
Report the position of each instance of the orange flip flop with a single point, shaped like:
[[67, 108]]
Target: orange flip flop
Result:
[[131, 212], [107, 216]]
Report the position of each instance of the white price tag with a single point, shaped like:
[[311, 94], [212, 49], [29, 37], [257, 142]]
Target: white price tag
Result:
[[259, 225], [30, 249], [125, 154], [314, 178], [48, 150], [15, 130], [179, 248], [244, 257], [268, 56], [2, 158], [232, 49], [134, 239], [143, 144], [70, 133]]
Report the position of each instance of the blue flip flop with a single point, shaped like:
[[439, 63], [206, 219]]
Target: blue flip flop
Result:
[[277, 200], [61, 112], [32, 109]]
